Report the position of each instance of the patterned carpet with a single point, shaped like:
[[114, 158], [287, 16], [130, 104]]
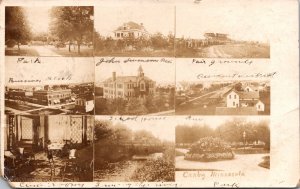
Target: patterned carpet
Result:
[[40, 169]]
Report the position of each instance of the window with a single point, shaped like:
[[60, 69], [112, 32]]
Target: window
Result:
[[234, 96], [120, 86], [258, 106], [233, 103], [118, 34], [142, 86], [229, 96], [121, 34]]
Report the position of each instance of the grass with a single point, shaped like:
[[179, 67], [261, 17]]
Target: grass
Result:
[[243, 50], [85, 52], [24, 51], [246, 50]]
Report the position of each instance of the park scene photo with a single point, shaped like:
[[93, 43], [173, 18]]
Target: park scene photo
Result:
[[135, 89], [134, 31], [49, 31], [133, 151], [228, 31], [223, 144]]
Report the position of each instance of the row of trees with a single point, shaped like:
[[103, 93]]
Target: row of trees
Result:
[[157, 42], [230, 131], [68, 24], [119, 133]]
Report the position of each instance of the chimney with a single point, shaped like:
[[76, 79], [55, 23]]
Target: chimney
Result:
[[114, 76]]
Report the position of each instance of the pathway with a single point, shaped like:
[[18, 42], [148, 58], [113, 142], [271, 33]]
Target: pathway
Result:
[[45, 51]]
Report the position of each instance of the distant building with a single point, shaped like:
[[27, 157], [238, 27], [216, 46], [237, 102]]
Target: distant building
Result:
[[51, 97], [247, 98], [130, 29], [84, 103], [46, 96], [128, 86]]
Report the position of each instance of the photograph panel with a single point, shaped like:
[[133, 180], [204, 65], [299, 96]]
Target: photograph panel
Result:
[[134, 31], [48, 148], [209, 30], [51, 86], [223, 147], [134, 149], [49, 31], [135, 88]]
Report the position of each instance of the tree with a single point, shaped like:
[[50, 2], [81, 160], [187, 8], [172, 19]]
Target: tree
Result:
[[159, 41], [16, 26], [102, 129], [135, 106], [73, 24], [150, 104]]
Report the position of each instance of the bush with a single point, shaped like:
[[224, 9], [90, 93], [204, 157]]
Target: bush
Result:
[[158, 170], [209, 149], [11, 43]]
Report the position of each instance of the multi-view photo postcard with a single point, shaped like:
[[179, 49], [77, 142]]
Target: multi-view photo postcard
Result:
[[149, 94]]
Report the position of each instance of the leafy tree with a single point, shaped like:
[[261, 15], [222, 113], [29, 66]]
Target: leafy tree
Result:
[[159, 41], [16, 26], [73, 24], [150, 104], [102, 129], [135, 106]]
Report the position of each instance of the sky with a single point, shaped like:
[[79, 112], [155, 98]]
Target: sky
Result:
[[162, 129], [82, 70], [159, 72], [38, 18], [242, 20], [154, 18]]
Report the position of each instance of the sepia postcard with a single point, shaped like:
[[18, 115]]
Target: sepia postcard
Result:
[[149, 94]]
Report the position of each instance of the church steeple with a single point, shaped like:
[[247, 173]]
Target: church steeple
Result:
[[140, 72]]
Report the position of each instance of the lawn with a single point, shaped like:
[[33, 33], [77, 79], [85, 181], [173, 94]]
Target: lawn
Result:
[[24, 51], [84, 51], [246, 50]]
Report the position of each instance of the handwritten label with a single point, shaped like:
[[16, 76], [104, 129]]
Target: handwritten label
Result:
[[12, 80], [114, 60], [269, 75], [137, 118], [30, 60], [213, 61]]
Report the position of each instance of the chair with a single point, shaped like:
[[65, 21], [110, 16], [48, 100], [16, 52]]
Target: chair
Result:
[[69, 171]]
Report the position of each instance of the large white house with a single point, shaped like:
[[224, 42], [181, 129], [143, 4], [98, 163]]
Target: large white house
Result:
[[130, 29]]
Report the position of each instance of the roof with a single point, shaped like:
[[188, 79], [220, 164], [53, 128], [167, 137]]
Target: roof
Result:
[[248, 95], [125, 79], [131, 25]]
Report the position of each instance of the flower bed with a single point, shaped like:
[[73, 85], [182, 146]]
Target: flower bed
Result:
[[209, 149]]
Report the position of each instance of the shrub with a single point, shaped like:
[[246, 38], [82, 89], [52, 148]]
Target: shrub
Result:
[[11, 43], [158, 170], [209, 149]]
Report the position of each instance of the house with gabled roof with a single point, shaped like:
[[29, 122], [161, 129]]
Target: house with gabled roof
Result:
[[235, 99], [131, 29], [128, 86]]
